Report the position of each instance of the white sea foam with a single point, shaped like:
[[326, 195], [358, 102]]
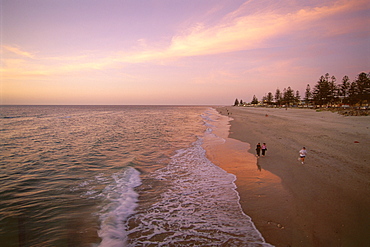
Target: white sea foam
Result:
[[200, 206], [83, 184], [121, 203]]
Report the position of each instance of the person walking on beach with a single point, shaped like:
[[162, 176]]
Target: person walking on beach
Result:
[[258, 150], [302, 154], [264, 149]]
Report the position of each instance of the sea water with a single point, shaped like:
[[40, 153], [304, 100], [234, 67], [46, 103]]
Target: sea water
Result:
[[115, 176]]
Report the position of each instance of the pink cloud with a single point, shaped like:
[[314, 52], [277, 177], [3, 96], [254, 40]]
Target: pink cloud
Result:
[[18, 51]]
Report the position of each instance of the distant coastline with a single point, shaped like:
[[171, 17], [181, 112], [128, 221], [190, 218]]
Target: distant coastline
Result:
[[352, 96], [343, 110]]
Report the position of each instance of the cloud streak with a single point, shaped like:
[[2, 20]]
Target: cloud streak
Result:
[[18, 51], [237, 31], [240, 31]]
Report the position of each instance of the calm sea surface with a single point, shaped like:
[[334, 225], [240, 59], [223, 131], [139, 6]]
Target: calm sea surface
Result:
[[115, 176]]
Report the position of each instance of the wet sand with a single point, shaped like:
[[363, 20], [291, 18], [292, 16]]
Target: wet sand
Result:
[[326, 201]]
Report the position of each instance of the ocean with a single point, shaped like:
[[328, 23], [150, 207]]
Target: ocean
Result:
[[116, 176]]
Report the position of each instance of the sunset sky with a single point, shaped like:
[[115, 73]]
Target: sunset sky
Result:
[[176, 51]]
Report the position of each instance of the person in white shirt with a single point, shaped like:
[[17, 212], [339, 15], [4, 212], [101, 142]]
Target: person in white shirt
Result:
[[302, 154]]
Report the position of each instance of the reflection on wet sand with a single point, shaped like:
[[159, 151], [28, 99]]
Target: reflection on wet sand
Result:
[[259, 166], [260, 191]]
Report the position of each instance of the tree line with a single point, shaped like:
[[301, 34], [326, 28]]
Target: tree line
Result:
[[326, 92]]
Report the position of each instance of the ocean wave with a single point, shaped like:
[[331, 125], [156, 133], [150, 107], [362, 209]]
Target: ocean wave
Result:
[[200, 206], [121, 201]]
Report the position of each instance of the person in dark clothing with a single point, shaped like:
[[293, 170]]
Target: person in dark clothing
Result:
[[258, 150]]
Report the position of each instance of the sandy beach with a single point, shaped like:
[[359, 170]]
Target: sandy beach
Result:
[[326, 201]]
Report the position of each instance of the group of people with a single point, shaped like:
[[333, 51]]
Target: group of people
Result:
[[263, 148], [260, 148]]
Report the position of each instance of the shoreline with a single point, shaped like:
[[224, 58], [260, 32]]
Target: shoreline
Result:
[[232, 156], [325, 202]]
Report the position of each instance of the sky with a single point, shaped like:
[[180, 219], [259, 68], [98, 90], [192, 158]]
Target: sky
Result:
[[175, 52]]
